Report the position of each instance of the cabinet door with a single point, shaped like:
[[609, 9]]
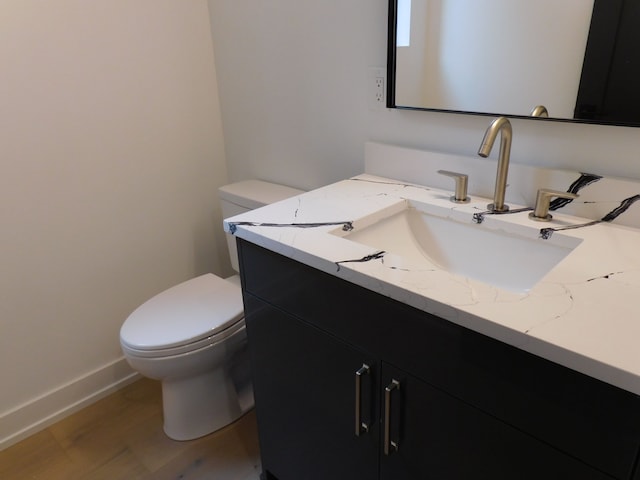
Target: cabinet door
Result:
[[440, 437], [305, 389]]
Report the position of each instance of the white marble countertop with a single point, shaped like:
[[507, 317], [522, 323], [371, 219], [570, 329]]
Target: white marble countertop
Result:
[[584, 314]]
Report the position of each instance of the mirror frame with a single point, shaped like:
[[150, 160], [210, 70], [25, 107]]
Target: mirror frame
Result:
[[589, 63]]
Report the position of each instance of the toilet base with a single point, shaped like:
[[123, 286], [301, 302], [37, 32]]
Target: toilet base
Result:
[[196, 406]]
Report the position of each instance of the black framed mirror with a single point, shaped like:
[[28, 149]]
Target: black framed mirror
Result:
[[578, 58]]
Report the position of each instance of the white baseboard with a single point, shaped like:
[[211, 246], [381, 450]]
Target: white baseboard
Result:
[[40, 412]]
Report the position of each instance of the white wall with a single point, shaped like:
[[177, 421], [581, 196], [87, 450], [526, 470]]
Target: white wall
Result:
[[111, 152], [417, 59], [487, 61], [293, 81], [475, 56]]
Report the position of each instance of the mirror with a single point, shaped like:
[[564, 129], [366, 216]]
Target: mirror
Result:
[[578, 58]]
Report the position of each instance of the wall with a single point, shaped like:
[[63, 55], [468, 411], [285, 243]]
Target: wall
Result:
[[112, 151], [484, 49], [477, 57], [416, 58], [293, 81]]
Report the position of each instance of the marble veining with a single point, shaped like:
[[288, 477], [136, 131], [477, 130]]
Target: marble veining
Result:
[[583, 314], [479, 217], [546, 233], [367, 258], [584, 180], [624, 206], [346, 226]]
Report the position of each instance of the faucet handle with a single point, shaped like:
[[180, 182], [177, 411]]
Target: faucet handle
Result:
[[541, 211], [462, 181]]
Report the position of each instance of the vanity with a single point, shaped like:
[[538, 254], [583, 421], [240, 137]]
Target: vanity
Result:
[[395, 334], [372, 363]]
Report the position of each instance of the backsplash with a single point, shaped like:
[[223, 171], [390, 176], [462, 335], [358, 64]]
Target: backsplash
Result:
[[601, 198]]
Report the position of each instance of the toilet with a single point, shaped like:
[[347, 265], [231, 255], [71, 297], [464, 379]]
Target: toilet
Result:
[[192, 336]]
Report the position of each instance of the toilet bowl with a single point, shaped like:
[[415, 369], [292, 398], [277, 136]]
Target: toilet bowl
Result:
[[192, 337]]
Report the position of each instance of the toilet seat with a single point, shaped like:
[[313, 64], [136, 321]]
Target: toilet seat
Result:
[[184, 349], [184, 318]]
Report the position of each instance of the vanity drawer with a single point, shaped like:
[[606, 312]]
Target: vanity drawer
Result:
[[583, 417]]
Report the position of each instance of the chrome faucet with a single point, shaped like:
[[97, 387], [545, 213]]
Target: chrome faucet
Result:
[[500, 125]]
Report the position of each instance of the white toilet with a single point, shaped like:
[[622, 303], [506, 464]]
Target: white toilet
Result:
[[192, 336]]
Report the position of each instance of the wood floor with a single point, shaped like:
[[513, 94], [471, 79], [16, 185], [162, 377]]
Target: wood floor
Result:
[[121, 438]]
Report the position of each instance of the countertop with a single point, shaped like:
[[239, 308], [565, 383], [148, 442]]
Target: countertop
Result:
[[584, 314]]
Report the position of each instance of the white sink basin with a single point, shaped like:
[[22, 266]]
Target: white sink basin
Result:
[[500, 253]]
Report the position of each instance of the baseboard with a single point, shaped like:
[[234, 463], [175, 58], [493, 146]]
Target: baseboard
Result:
[[39, 413]]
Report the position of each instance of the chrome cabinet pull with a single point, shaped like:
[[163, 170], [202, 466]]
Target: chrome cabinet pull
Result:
[[389, 445], [360, 425]]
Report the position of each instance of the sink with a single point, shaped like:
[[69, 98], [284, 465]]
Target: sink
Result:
[[497, 252]]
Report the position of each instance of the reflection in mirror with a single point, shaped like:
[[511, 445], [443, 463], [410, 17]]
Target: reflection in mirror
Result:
[[506, 57]]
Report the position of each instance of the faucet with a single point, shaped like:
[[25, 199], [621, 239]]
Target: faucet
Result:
[[503, 126], [540, 111], [541, 211]]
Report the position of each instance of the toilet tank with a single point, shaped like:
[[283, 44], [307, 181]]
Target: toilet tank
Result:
[[248, 195]]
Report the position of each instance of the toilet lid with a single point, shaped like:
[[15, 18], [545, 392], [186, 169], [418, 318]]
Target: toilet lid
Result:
[[195, 309]]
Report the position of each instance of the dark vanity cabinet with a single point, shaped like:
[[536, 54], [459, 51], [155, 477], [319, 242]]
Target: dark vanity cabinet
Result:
[[351, 385], [305, 387]]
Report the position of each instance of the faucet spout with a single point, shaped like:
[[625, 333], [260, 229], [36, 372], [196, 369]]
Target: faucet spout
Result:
[[540, 111], [500, 125]]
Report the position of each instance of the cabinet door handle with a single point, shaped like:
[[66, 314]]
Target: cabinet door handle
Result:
[[360, 425], [389, 445]]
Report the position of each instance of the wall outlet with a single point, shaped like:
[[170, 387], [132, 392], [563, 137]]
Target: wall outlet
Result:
[[377, 92]]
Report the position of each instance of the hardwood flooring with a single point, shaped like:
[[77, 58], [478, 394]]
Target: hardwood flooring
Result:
[[120, 438]]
